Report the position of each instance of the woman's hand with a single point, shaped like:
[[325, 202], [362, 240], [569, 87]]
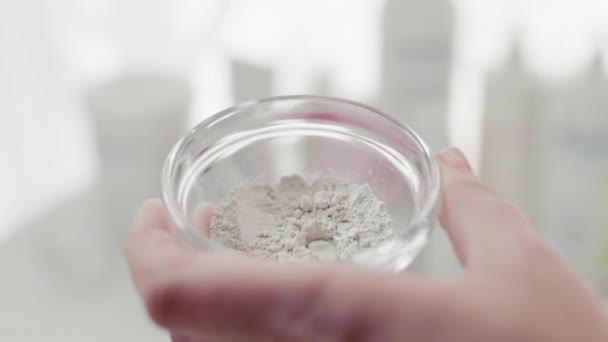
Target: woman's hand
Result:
[[514, 288]]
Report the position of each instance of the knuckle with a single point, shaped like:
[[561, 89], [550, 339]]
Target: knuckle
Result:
[[434, 317], [162, 301], [467, 185], [307, 310], [502, 208], [455, 309], [328, 310], [534, 248]]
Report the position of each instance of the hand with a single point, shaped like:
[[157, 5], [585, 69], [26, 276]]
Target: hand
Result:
[[514, 288]]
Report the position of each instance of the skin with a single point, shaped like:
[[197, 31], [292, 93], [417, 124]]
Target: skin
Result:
[[514, 287]]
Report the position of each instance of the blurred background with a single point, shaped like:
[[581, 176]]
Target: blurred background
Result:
[[93, 93]]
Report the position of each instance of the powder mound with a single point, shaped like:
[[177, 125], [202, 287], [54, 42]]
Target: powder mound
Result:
[[327, 220]]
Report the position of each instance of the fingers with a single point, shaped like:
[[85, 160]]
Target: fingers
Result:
[[228, 297], [484, 228], [239, 298], [151, 216], [151, 248], [232, 297]]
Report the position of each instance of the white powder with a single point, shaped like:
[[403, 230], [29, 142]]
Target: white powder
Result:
[[330, 219]]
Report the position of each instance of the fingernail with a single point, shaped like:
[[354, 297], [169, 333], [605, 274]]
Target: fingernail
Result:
[[454, 158]]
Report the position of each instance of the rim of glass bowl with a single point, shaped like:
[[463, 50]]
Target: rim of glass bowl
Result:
[[178, 218]]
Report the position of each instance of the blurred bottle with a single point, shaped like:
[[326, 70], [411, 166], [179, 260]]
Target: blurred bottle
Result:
[[137, 119], [574, 167], [507, 153], [249, 81], [416, 62], [417, 53]]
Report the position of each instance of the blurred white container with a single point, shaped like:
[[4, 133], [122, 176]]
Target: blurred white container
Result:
[[574, 196], [417, 51], [508, 135], [416, 69], [137, 120], [250, 81]]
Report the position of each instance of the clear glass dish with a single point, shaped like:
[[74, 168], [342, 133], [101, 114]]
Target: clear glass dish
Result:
[[311, 136]]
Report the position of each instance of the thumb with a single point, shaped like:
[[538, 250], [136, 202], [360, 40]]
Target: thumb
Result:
[[485, 229]]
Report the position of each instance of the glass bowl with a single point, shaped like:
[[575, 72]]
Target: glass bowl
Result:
[[310, 136]]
